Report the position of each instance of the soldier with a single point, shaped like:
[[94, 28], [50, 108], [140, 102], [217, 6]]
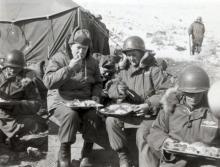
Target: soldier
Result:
[[139, 82], [185, 117], [196, 31], [74, 74], [20, 99]]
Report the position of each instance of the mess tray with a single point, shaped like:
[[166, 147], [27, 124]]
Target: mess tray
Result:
[[190, 150], [122, 109], [84, 104]]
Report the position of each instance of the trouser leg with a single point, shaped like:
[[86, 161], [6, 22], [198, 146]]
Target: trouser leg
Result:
[[90, 131], [116, 134], [91, 123], [199, 48], [193, 48], [87, 149], [91, 126], [147, 158], [118, 140], [64, 155], [69, 123]]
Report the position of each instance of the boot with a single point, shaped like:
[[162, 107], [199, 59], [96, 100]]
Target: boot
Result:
[[123, 158], [64, 155], [86, 150]]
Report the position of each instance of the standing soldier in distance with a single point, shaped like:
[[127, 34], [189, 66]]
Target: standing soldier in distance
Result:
[[196, 31]]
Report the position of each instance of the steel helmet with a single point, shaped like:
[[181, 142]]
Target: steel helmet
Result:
[[15, 58], [193, 79], [133, 43]]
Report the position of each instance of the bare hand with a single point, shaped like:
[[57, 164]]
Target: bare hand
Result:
[[170, 140], [75, 63], [96, 98], [122, 88], [141, 109]]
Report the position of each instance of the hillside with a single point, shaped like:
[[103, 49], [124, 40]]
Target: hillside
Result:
[[163, 25]]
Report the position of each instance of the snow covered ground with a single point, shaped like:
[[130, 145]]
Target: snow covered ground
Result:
[[163, 24]]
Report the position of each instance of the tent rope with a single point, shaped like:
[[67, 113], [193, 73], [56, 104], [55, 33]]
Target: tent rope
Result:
[[109, 34]]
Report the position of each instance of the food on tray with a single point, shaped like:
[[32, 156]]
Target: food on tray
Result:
[[84, 103], [118, 109], [2, 100], [126, 107], [197, 149], [178, 146]]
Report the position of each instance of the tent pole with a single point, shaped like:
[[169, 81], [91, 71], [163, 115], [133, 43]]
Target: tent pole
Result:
[[78, 19], [51, 30]]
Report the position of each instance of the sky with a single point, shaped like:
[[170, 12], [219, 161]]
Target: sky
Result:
[[207, 2]]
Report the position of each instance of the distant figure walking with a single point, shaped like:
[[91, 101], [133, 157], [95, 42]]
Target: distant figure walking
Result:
[[196, 31]]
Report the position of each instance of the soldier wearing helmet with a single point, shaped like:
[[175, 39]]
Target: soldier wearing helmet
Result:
[[196, 31], [18, 115], [187, 118], [141, 82], [73, 74], [14, 63]]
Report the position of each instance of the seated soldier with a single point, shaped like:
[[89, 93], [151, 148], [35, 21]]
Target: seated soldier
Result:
[[74, 74], [20, 99], [185, 118], [139, 81]]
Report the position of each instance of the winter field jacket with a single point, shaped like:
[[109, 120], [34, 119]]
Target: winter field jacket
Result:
[[21, 89], [197, 30], [142, 83], [64, 84], [198, 125]]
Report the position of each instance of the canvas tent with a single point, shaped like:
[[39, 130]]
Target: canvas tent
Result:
[[39, 27]]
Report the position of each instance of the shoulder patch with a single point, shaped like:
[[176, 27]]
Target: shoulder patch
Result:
[[209, 124]]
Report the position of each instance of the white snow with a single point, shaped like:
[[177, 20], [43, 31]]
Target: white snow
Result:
[[163, 24]]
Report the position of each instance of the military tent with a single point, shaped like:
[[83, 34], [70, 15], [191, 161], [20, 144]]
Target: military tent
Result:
[[39, 27]]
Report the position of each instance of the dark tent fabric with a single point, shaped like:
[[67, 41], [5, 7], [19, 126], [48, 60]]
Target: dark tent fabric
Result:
[[99, 32], [39, 27]]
